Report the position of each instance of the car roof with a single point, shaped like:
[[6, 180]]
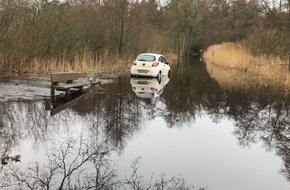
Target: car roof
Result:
[[154, 54]]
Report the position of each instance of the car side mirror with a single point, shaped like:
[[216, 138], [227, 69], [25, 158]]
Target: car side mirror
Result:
[[167, 62]]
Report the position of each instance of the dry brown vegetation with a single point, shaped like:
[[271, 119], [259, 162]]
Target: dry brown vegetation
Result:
[[234, 67], [40, 36], [83, 63], [80, 65]]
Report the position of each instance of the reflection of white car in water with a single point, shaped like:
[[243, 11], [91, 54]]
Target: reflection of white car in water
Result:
[[148, 87]]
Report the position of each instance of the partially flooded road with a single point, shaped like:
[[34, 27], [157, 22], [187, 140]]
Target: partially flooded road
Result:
[[23, 89], [186, 128]]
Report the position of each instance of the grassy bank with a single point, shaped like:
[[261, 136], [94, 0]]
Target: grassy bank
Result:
[[235, 67]]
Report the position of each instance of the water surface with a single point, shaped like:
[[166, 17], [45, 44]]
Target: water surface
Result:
[[185, 127]]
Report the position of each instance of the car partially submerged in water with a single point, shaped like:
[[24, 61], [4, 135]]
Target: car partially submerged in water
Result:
[[150, 65]]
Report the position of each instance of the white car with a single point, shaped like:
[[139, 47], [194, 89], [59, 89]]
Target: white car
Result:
[[150, 65], [148, 87]]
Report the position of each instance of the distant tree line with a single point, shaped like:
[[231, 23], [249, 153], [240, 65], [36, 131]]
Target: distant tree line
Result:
[[63, 29]]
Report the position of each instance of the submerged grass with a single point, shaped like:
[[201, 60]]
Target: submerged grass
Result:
[[234, 66]]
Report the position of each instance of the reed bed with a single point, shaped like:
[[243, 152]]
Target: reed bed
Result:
[[105, 63], [233, 66], [81, 64]]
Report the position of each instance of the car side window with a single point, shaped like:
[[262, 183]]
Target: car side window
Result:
[[162, 59], [165, 60]]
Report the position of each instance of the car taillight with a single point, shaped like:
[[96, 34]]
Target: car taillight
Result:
[[134, 62], [156, 63], [154, 89]]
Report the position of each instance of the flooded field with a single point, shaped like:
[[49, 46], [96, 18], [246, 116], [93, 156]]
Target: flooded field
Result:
[[187, 131]]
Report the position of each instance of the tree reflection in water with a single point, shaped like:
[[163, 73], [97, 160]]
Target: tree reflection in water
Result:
[[106, 120], [80, 163], [78, 143], [267, 120], [260, 111], [73, 163]]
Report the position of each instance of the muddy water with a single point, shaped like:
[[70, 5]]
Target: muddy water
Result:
[[186, 128]]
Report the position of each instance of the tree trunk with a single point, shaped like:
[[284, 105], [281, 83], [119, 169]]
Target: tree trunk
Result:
[[289, 64], [121, 37]]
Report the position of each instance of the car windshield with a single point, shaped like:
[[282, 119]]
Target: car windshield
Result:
[[146, 58]]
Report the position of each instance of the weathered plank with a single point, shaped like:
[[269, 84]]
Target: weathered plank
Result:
[[64, 81], [64, 77]]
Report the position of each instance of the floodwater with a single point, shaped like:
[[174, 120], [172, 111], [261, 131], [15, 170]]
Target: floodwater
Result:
[[132, 132]]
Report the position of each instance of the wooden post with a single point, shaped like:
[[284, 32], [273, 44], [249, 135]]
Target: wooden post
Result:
[[52, 90]]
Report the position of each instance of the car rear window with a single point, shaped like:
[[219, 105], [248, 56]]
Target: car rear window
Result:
[[146, 58]]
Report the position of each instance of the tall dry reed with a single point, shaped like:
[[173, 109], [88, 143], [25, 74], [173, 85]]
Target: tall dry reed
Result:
[[87, 61], [80, 63], [244, 68]]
